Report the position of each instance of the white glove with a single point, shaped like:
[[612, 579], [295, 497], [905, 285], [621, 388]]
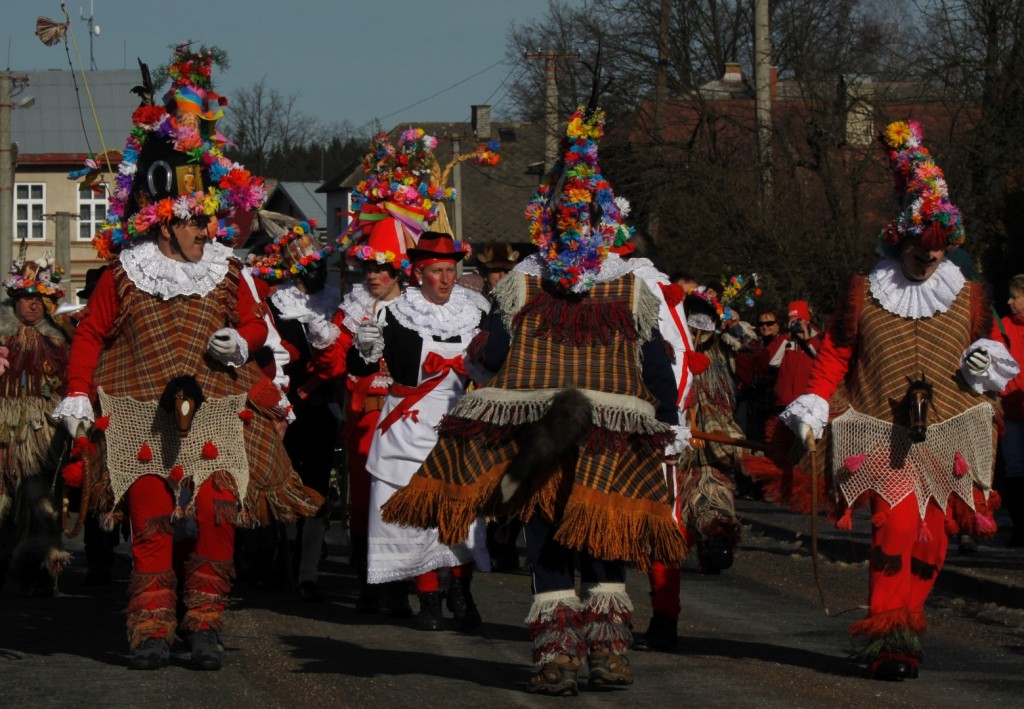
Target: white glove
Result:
[[223, 345], [370, 340], [77, 426], [978, 362]]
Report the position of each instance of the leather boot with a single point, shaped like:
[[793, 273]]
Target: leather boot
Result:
[[461, 604], [152, 654], [205, 649], [661, 635], [430, 616]]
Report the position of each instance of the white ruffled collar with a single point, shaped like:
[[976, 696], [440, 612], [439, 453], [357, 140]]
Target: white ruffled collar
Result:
[[459, 316], [165, 278], [646, 271], [915, 299], [358, 305], [612, 267], [292, 303]]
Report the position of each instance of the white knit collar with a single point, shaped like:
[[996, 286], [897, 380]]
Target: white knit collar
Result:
[[358, 305], [901, 296], [292, 303], [459, 316], [165, 278], [612, 267]]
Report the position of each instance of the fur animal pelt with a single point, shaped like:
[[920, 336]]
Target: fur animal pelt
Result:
[[542, 444]]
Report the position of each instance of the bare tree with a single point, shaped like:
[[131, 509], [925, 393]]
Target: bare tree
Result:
[[263, 121]]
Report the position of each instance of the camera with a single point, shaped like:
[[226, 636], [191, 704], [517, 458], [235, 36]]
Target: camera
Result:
[[796, 328]]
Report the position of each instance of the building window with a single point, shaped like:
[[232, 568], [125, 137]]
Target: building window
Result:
[[29, 205], [92, 212]]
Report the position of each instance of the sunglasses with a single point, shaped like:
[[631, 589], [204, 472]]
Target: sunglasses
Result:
[[766, 323]]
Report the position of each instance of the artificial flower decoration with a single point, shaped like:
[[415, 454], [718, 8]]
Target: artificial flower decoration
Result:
[[291, 254], [39, 277], [575, 218], [186, 122], [740, 291], [406, 183], [925, 208]]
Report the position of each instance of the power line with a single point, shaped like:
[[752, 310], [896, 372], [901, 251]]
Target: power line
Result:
[[434, 95]]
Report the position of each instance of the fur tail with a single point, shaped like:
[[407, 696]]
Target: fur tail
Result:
[[559, 431]]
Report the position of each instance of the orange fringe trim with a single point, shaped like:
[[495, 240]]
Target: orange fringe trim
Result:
[[881, 624]]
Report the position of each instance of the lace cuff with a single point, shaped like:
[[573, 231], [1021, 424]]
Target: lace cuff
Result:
[[682, 441], [1001, 369], [241, 354], [321, 333], [810, 409], [74, 406]]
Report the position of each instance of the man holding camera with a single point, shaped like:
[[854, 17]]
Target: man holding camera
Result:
[[793, 354]]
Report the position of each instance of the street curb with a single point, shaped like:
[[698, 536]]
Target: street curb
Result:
[[954, 581]]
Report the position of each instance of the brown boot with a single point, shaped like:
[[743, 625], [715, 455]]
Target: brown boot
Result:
[[608, 670], [556, 678]]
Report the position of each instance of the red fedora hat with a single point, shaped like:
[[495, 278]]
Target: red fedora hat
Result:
[[438, 246]]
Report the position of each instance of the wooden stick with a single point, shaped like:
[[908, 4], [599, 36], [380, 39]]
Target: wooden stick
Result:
[[730, 441]]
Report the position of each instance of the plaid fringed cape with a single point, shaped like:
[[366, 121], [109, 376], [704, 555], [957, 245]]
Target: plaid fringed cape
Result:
[[155, 340], [611, 499]]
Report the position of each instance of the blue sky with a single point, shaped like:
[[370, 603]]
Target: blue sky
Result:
[[353, 60]]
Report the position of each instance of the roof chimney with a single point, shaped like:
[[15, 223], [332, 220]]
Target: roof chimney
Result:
[[482, 122], [733, 72]]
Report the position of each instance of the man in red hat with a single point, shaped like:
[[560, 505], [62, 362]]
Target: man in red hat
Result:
[[793, 354], [920, 455], [423, 342]]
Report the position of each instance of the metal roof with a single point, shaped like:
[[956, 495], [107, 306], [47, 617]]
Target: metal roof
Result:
[[305, 198], [53, 125]]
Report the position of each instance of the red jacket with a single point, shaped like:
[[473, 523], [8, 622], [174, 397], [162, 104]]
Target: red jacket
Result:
[[794, 367], [1013, 395]]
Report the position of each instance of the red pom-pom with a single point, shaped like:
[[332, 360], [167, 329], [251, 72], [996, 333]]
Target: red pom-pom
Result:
[[81, 447], [145, 453], [673, 294], [210, 451], [102, 422], [245, 415], [264, 394], [697, 362], [853, 462], [72, 473], [177, 473]]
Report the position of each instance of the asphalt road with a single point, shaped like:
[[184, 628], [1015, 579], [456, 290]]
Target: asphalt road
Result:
[[755, 635]]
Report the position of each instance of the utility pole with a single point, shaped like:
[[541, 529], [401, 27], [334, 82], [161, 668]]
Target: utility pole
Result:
[[550, 103], [7, 79], [654, 221], [762, 78]]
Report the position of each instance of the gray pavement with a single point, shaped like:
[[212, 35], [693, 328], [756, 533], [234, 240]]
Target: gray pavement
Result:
[[992, 574]]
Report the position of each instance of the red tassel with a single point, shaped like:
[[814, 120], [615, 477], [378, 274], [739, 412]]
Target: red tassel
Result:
[[72, 473], [81, 447], [853, 462], [960, 466], [697, 362], [264, 394], [879, 519], [245, 415], [177, 473], [846, 521], [924, 536], [986, 525], [210, 451], [145, 453], [102, 422]]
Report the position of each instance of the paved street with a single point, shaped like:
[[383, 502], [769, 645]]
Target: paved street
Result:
[[754, 636]]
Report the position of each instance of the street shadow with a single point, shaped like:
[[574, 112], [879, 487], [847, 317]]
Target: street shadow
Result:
[[330, 656], [764, 652]]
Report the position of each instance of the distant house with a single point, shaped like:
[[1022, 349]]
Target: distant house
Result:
[[53, 137], [300, 200], [490, 200]]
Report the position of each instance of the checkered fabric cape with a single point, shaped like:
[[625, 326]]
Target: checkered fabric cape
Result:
[[611, 499], [155, 340]]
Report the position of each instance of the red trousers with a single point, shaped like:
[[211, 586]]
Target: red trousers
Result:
[[207, 572]]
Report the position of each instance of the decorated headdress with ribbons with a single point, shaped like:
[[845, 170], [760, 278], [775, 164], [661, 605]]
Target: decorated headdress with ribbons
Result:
[[293, 250], [925, 209], [406, 184], [738, 292], [575, 218], [35, 277], [173, 166], [703, 310]]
